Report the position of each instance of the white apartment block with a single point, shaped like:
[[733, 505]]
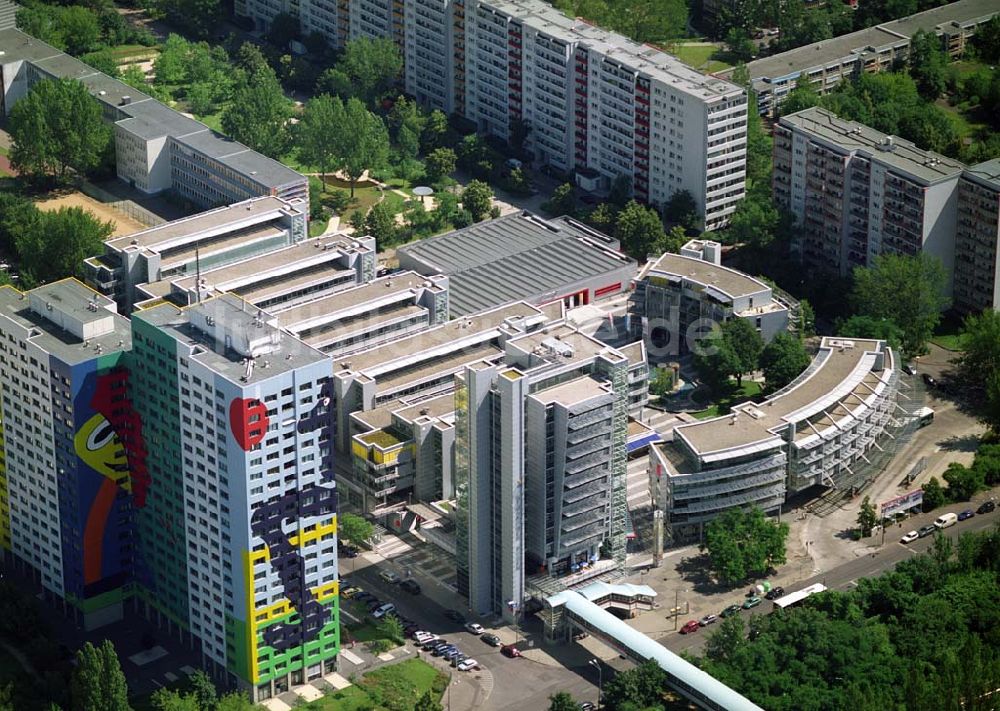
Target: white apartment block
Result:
[[977, 239], [592, 100], [858, 193]]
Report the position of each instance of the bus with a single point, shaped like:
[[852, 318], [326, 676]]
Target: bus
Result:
[[924, 415], [796, 598]]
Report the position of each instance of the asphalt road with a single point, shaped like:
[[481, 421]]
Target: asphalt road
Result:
[[844, 577]]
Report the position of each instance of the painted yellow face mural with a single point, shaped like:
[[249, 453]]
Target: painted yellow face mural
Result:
[[98, 445]]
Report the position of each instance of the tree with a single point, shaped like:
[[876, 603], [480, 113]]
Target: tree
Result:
[[963, 481], [744, 543], [753, 223], [164, 699], [868, 327], [638, 229], [641, 687], [380, 223], [745, 342], [980, 345], [934, 494], [391, 628], [739, 45], [319, 134], [97, 682], [284, 28], [867, 517], [354, 528], [782, 360], [987, 40], [907, 290], [57, 126], [56, 243], [662, 383], [408, 142], [440, 163], [203, 690], [682, 209], [928, 64], [562, 201], [370, 66], [807, 319], [723, 644], [201, 99], [258, 116], [477, 199], [427, 702], [991, 412], [435, 130], [234, 701], [17, 216], [803, 96], [103, 61], [200, 17], [363, 142], [562, 701]]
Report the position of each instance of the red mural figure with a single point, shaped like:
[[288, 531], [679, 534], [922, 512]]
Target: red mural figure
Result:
[[248, 421], [110, 443]]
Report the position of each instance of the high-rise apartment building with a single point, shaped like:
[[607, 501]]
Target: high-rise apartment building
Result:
[[540, 453], [582, 98], [977, 239], [72, 467], [858, 193], [239, 526]]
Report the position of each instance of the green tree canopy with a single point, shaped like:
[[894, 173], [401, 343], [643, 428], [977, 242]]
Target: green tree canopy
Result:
[[907, 290], [868, 327], [258, 115], [439, 164], [782, 360], [638, 688], [428, 702], [927, 64], [57, 126], [682, 209], [562, 201], [742, 543], [199, 17], [934, 494], [55, 243], [354, 528], [477, 198], [363, 142], [97, 682], [639, 229], [318, 134], [380, 223], [367, 69], [867, 517], [562, 701]]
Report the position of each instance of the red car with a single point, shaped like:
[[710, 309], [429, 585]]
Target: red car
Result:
[[509, 650], [690, 626]]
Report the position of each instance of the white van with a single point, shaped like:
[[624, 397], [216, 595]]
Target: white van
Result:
[[945, 520]]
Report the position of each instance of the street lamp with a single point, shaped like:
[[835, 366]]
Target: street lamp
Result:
[[515, 608], [600, 680]]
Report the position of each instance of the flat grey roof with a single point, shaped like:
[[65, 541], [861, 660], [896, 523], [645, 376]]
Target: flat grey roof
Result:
[[926, 166], [728, 281], [437, 367], [72, 297], [583, 346], [572, 391], [833, 369], [191, 228], [288, 354], [814, 55], [986, 172], [516, 257], [456, 335], [374, 294]]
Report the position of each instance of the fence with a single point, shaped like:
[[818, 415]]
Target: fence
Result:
[[128, 208]]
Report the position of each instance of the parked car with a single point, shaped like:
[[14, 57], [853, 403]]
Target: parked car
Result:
[[454, 616], [491, 639], [381, 612], [410, 586], [349, 591], [432, 643], [468, 665], [909, 537], [752, 602], [909, 369], [775, 592], [968, 513], [389, 577], [438, 649], [986, 507], [364, 597], [945, 520], [475, 628], [374, 604], [509, 650], [349, 552], [451, 654], [929, 381], [926, 530], [586, 706], [409, 629], [708, 620], [690, 626], [731, 610], [458, 659]]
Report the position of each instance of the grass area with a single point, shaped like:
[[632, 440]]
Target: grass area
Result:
[[704, 57], [365, 198], [391, 688], [4, 151], [948, 334], [133, 51], [318, 227], [749, 390]]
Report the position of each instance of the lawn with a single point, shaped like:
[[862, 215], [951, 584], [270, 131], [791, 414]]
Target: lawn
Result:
[[749, 390], [948, 334], [391, 688], [133, 52], [704, 57]]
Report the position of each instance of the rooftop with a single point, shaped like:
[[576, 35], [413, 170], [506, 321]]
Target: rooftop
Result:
[[372, 296], [206, 224], [729, 282], [382, 416], [839, 366], [57, 330], [564, 342], [790, 63], [987, 172], [519, 256], [643, 58], [926, 166], [572, 392], [451, 337], [223, 332]]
